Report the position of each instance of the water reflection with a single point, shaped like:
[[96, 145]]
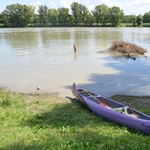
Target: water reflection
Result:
[[1, 39], [57, 41], [75, 56], [106, 37], [22, 43]]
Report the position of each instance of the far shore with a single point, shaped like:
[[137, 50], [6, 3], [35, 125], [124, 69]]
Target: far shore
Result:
[[80, 25]]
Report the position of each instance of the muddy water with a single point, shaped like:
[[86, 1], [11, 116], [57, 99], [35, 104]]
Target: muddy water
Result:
[[31, 57]]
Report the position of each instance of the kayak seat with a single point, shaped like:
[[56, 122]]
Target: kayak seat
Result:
[[124, 110]]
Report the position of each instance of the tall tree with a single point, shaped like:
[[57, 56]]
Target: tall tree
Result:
[[146, 17], [53, 16], [35, 18], [70, 20], [139, 20], [17, 15], [101, 13], [9, 15], [1, 18], [90, 19], [133, 18], [31, 10], [96, 12], [116, 14], [75, 11], [63, 14], [43, 14], [79, 12], [83, 12], [24, 14], [104, 13], [127, 19]]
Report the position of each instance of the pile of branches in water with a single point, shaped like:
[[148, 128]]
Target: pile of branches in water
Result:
[[126, 47]]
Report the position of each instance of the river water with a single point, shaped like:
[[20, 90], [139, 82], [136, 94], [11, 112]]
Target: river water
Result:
[[31, 57]]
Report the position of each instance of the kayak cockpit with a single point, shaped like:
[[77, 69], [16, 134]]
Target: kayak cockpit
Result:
[[113, 105]]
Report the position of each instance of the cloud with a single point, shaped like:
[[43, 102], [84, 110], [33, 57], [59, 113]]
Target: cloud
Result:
[[36, 4], [65, 3], [142, 9], [52, 3], [97, 1], [115, 4], [139, 2], [109, 3]]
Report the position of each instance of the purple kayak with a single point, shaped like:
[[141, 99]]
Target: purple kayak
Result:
[[112, 110]]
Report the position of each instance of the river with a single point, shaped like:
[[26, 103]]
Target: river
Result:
[[31, 57]]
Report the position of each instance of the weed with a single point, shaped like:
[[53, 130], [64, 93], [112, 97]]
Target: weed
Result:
[[5, 99]]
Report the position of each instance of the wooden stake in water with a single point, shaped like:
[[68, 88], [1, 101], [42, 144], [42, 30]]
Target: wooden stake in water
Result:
[[75, 48]]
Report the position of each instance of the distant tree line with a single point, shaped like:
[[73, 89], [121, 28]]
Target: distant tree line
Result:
[[18, 15]]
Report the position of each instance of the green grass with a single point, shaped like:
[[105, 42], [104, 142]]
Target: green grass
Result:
[[47, 122]]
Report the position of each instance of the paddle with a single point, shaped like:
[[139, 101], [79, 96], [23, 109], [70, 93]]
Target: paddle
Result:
[[101, 103], [134, 113]]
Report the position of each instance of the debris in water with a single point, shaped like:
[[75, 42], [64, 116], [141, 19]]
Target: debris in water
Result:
[[125, 48]]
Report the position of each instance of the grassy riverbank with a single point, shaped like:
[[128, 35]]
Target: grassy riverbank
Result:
[[49, 122]]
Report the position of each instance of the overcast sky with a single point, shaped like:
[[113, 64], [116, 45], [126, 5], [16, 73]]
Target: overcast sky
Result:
[[129, 6]]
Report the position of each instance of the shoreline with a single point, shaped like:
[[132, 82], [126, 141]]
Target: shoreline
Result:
[[81, 25], [38, 93]]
